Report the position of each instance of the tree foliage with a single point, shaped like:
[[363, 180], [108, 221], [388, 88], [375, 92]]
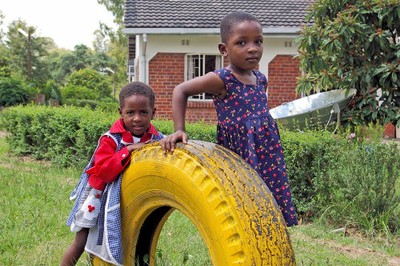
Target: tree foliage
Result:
[[13, 92], [117, 48], [51, 67], [355, 44], [25, 51], [93, 81]]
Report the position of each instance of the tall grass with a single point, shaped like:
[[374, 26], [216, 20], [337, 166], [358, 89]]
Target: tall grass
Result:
[[360, 188]]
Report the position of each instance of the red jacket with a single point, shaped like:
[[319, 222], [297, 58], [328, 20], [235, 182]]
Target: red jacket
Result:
[[108, 164]]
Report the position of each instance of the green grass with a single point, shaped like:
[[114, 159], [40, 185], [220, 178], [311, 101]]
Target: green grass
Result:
[[34, 206], [180, 243], [320, 245]]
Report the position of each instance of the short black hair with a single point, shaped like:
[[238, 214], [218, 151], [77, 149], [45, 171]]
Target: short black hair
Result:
[[233, 19], [136, 88]]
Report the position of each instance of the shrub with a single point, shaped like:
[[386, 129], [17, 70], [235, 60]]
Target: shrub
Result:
[[359, 187], [60, 134], [13, 92], [69, 135], [72, 93], [304, 156], [92, 80], [51, 91], [195, 131], [341, 181]]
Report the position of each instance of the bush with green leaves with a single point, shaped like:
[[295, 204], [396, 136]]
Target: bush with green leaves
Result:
[[344, 181], [355, 44], [13, 92], [304, 156], [69, 135], [71, 94], [360, 186], [63, 135], [91, 80], [51, 91]]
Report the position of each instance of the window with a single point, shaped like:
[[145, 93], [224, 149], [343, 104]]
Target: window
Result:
[[198, 65], [131, 73]]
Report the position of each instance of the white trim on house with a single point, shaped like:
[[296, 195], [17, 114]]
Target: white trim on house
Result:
[[268, 31], [148, 45]]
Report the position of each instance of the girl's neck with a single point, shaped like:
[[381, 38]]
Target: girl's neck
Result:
[[245, 76]]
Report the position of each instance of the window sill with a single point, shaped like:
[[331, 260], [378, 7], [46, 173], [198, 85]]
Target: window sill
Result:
[[200, 104]]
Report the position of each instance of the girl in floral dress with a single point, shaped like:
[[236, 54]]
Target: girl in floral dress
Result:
[[245, 125]]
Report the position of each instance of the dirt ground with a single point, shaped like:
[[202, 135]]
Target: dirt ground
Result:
[[361, 252]]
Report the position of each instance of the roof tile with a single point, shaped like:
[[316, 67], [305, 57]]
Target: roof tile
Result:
[[208, 13]]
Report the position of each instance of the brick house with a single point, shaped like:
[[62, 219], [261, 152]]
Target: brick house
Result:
[[171, 41]]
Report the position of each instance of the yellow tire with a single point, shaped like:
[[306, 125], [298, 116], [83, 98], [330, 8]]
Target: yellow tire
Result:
[[224, 198]]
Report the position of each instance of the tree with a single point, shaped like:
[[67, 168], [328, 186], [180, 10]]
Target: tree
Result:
[[117, 47], [4, 57], [4, 62], [28, 55], [1, 27], [40, 61], [13, 92], [61, 65], [91, 80], [65, 62], [116, 7], [355, 44]]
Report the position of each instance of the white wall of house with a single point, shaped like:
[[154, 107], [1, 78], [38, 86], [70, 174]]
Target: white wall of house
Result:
[[147, 46]]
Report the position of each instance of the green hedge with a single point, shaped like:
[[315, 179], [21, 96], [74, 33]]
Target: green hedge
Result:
[[343, 181], [64, 135], [305, 159], [68, 135]]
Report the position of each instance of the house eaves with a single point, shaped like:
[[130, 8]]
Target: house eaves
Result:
[[268, 31]]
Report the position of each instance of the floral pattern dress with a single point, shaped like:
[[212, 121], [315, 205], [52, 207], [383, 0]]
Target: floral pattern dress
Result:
[[246, 127]]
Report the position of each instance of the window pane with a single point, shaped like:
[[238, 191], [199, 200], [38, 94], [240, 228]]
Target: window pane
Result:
[[199, 65], [209, 63]]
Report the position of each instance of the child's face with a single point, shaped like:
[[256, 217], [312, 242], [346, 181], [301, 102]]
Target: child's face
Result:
[[245, 45], [137, 113]]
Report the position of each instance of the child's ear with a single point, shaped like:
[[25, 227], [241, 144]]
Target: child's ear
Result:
[[154, 112], [120, 111], [222, 49]]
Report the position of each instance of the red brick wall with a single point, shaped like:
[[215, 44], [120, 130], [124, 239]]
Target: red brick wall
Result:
[[166, 70], [201, 112], [282, 73]]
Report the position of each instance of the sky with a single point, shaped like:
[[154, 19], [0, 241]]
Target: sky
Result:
[[67, 22]]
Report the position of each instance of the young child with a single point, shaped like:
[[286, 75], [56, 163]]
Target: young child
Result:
[[131, 131], [245, 125]]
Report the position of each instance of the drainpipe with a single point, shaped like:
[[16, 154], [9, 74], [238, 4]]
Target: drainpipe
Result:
[[143, 66]]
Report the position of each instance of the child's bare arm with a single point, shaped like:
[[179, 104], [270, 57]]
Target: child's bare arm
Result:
[[209, 83]]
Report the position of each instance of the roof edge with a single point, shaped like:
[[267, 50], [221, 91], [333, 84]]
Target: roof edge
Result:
[[290, 31]]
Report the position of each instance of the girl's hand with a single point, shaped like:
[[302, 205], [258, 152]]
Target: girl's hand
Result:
[[169, 142]]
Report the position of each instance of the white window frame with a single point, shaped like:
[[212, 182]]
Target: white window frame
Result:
[[190, 71], [131, 73]]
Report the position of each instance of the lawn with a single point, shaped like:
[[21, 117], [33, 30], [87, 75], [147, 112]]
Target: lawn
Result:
[[34, 205]]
